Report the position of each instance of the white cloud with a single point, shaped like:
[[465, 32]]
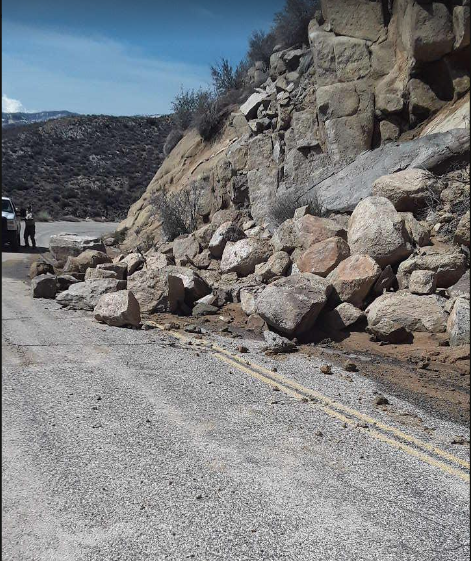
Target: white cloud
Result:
[[10, 105]]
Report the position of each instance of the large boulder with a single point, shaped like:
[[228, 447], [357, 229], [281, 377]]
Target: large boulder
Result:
[[353, 278], [120, 269], [284, 237], [422, 282], [227, 232], [408, 190], [248, 298], [195, 287], [447, 262], [322, 257], [85, 295], [458, 323], [415, 313], [118, 309], [310, 230], [376, 229], [276, 266], [64, 245], [291, 305], [89, 258], [44, 286], [134, 261], [242, 256], [157, 290], [419, 231], [64, 282], [185, 250], [355, 18]]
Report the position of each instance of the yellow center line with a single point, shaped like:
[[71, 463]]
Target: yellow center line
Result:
[[329, 406], [333, 403]]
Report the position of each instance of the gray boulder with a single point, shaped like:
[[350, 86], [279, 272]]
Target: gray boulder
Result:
[[227, 232], [120, 269], [422, 282], [276, 266], [185, 250], [343, 316], [65, 245], [458, 323], [291, 305], [85, 295], [461, 287], [134, 261], [276, 344], [44, 286], [242, 256], [376, 229], [195, 287], [65, 281], [415, 313], [157, 290], [118, 309]]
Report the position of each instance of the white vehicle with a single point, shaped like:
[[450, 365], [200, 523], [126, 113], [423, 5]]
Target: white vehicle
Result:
[[11, 224]]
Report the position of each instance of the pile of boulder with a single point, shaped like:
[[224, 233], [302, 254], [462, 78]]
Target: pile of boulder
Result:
[[379, 268]]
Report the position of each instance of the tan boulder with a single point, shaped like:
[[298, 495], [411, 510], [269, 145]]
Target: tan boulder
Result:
[[156, 290], [322, 257], [343, 316], [313, 229], [376, 229], [276, 266], [422, 282], [88, 258], [408, 190], [353, 278], [118, 309]]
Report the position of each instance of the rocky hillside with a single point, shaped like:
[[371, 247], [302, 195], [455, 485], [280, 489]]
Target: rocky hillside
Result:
[[334, 199], [82, 166], [19, 118]]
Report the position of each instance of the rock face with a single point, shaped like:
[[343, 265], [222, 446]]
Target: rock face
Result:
[[62, 246], [242, 256], [291, 305], [157, 291], [227, 232], [118, 309], [376, 229], [90, 258], [448, 264], [85, 295], [458, 323], [408, 190], [415, 313], [322, 257], [44, 286], [353, 278]]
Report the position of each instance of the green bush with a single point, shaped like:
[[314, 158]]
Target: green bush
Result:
[[291, 22], [261, 46]]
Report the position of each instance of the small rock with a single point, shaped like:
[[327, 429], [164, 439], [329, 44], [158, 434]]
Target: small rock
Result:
[[326, 369], [242, 349], [190, 328], [350, 366], [381, 400], [277, 344]]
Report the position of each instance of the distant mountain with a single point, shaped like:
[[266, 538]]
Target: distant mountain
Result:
[[93, 165], [16, 119]]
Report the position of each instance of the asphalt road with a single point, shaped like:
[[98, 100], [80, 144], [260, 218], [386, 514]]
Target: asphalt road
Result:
[[135, 445]]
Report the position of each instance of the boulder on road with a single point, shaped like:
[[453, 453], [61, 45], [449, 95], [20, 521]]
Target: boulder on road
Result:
[[242, 256], [118, 309], [89, 258], [291, 305], [85, 295], [40, 268], [458, 323], [66, 245], [415, 313], [195, 287], [276, 344], [157, 290], [408, 190], [376, 229], [44, 286], [353, 278], [322, 257]]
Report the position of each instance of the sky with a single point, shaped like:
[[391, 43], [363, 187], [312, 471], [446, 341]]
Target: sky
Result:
[[121, 57]]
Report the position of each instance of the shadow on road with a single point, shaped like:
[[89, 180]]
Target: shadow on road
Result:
[[25, 250]]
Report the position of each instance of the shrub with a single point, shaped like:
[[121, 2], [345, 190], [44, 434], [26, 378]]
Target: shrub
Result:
[[284, 206], [178, 211], [225, 78], [172, 140], [261, 46], [291, 23], [186, 104], [43, 216]]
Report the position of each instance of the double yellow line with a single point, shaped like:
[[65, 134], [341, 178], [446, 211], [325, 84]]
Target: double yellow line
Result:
[[375, 428]]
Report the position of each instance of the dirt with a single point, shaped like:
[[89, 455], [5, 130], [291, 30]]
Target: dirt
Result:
[[424, 372]]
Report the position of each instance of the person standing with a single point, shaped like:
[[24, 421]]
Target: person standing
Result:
[[30, 227]]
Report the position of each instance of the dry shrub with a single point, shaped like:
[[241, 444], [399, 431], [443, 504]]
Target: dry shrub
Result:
[[178, 211]]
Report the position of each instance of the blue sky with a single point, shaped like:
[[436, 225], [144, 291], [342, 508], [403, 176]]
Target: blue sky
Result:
[[118, 57]]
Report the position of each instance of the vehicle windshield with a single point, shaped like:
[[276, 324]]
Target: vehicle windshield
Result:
[[6, 206]]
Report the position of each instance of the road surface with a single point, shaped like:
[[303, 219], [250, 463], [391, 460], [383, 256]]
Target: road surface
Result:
[[136, 445]]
